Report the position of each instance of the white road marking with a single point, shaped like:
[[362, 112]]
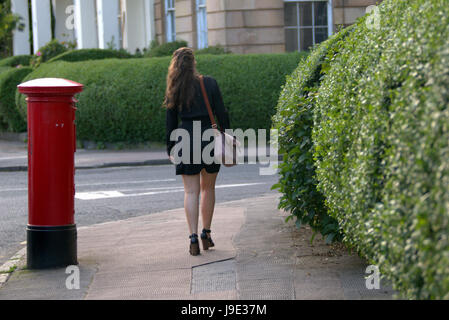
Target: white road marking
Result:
[[100, 184], [123, 182], [130, 167], [15, 189], [96, 195], [147, 189], [13, 158]]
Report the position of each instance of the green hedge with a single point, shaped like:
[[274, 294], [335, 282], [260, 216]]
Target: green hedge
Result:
[[164, 49], [294, 120], [213, 50], [91, 54], [122, 99], [381, 136], [14, 61], [4, 69], [9, 115], [50, 50]]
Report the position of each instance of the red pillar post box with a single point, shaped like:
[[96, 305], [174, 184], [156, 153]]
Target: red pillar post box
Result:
[[51, 231]]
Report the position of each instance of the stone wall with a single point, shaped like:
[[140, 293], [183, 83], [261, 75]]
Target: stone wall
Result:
[[346, 12], [159, 16], [246, 26], [186, 21]]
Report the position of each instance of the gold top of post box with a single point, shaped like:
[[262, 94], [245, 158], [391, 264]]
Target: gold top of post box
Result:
[[50, 86]]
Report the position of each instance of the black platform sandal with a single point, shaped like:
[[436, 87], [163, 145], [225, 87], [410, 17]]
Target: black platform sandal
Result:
[[206, 239], [194, 245]]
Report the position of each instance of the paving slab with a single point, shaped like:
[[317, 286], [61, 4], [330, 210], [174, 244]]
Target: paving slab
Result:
[[47, 284], [277, 261], [257, 257]]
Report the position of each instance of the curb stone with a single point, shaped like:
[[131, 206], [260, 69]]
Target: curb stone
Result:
[[100, 166], [13, 263], [156, 162], [16, 137]]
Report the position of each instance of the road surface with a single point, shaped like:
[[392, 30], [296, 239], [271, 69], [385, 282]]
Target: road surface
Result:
[[112, 194]]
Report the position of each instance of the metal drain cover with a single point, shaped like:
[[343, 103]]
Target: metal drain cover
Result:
[[214, 277]]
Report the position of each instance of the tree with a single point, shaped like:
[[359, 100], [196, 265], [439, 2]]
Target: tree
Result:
[[8, 22]]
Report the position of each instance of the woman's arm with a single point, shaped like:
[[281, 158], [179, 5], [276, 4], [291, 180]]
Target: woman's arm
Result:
[[171, 124], [220, 110]]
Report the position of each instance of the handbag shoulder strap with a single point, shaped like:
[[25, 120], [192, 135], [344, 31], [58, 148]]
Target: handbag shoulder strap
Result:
[[206, 100]]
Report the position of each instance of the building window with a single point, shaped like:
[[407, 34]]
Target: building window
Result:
[[306, 23], [201, 20], [170, 30]]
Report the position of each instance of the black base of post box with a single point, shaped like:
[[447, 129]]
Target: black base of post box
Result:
[[51, 247]]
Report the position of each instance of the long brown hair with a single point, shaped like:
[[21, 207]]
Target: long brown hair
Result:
[[181, 79]]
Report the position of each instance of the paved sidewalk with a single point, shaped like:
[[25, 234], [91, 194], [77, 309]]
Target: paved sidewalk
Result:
[[14, 157], [257, 256]]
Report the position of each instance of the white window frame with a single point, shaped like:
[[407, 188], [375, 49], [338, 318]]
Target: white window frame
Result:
[[170, 20], [201, 24], [313, 27]]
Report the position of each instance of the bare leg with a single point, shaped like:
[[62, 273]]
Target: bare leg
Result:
[[191, 201], [207, 197]]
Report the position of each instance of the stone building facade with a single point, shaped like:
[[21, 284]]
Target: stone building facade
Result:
[[254, 26], [242, 26]]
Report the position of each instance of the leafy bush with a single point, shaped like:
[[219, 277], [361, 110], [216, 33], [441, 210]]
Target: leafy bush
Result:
[[213, 50], [91, 54], [122, 100], [8, 22], [45, 53], [381, 135], [165, 49], [3, 125], [4, 69], [139, 54], [15, 61], [8, 111], [294, 120]]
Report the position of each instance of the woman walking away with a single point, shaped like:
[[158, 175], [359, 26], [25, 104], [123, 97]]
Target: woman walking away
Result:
[[184, 100]]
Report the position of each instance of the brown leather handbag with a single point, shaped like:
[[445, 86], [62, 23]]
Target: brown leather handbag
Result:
[[226, 147]]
